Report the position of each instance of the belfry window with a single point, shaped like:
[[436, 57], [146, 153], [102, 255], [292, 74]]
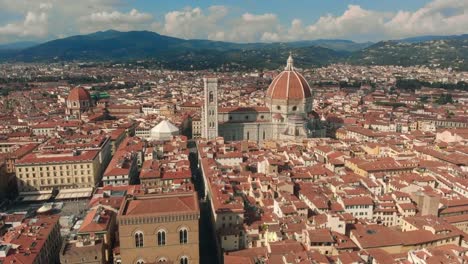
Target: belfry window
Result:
[[211, 97]]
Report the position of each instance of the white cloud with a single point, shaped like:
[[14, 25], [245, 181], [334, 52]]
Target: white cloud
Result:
[[355, 21], [48, 18], [193, 23], [438, 17], [114, 20], [33, 25], [251, 27], [52, 18]]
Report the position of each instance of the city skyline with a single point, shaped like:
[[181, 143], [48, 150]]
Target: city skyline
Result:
[[234, 21], [228, 132]]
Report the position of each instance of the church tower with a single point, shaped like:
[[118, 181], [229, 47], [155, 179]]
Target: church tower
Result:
[[210, 109]]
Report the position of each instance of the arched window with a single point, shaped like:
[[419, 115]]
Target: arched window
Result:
[[162, 260], [161, 238], [184, 260], [140, 261], [211, 97], [138, 239], [183, 236]]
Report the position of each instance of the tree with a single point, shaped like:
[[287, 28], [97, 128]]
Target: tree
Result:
[[424, 99], [445, 99]]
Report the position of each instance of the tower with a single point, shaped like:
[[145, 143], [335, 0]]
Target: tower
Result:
[[210, 108]]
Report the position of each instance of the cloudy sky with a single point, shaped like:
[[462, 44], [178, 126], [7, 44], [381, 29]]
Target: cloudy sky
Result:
[[235, 20]]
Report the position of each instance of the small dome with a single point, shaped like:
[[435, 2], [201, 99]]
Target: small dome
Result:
[[79, 94], [289, 84]]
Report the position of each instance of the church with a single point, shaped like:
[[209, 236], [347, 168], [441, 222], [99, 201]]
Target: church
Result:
[[287, 114]]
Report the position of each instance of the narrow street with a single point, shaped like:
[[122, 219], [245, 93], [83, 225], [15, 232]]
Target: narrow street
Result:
[[208, 253]]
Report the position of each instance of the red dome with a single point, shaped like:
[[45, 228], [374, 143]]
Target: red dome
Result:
[[289, 84], [79, 94]]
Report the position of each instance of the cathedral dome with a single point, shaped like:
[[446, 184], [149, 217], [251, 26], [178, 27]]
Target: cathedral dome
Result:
[[79, 94], [289, 84]]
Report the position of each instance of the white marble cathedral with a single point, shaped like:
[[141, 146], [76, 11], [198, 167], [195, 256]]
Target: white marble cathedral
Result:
[[286, 116]]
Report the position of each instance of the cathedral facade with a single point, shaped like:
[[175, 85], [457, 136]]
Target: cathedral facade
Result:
[[285, 116]]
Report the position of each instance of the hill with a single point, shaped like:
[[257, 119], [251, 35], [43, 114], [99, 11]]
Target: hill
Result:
[[171, 52], [176, 53], [18, 45], [452, 52], [430, 38]]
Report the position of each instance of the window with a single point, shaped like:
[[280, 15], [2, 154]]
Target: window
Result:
[[211, 97], [161, 238], [138, 239], [294, 108], [162, 260], [140, 261], [184, 260], [278, 107], [183, 236]]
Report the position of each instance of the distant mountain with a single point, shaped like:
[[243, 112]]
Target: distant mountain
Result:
[[172, 52], [452, 52], [176, 53], [18, 45]]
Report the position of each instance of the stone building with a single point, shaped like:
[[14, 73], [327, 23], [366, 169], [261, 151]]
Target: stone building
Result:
[[157, 228], [286, 116]]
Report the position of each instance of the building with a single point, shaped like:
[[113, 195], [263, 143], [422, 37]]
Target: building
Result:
[[122, 169], [359, 207], [78, 102], [81, 252], [165, 130], [94, 238], [285, 116], [159, 228], [71, 163], [38, 239], [59, 170]]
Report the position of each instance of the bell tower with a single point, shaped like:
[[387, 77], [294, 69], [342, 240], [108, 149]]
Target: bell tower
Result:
[[210, 108]]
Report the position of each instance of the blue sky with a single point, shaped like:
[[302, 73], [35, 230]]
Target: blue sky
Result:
[[235, 20], [308, 10]]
